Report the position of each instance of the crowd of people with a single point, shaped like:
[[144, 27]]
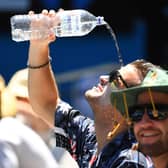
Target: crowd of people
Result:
[[42, 130]]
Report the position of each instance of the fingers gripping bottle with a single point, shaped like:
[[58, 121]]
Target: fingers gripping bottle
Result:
[[77, 22]]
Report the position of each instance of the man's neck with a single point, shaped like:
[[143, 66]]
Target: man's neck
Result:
[[104, 127], [161, 161]]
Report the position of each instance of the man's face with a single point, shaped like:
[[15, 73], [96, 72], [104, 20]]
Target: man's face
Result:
[[99, 96], [152, 135], [99, 99], [130, 75]]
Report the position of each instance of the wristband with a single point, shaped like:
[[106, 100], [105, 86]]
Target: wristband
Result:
[[39, 66]]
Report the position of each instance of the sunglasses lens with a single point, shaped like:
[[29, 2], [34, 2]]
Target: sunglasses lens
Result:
[[136, 113], [114, 78], [162, 113]]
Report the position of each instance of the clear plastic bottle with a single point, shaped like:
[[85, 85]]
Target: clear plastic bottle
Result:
[[77, 22]]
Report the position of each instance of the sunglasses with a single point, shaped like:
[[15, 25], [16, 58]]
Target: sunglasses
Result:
[[136, 112], [114, 76]]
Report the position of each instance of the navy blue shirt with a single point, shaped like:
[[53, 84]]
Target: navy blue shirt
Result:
[[118, 154], [83, 144], [80, 132]]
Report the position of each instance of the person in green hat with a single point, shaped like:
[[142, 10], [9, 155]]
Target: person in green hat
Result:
[[145, 106]]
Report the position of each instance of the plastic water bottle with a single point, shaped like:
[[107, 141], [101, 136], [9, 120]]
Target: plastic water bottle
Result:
[[77, 22]]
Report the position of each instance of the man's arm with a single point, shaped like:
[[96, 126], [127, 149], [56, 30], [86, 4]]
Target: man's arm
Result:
[[42, 86]]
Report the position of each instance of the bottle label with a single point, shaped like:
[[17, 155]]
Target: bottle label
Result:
[[71, 23]]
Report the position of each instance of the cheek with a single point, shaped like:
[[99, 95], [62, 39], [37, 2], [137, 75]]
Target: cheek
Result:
[[164, 127], [136, 129]]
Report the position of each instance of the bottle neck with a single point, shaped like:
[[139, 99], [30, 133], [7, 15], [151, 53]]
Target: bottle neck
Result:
[[100, 20]]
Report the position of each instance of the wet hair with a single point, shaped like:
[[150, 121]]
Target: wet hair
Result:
[[143, 66]]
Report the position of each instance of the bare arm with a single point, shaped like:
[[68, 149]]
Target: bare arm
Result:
[[42, 86]]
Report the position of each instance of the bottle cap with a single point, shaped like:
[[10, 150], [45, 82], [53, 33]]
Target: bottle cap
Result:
[[100, 20]]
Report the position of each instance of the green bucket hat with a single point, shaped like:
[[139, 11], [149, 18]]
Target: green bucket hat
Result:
[[156, 79]]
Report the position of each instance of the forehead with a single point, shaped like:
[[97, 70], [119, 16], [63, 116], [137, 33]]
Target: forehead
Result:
[[131, 74], [156, 97], [130, 71], [128, 68]]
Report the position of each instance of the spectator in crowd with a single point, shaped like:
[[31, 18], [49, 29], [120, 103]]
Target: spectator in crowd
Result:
[[99, 99], [145, 105], [20, 146], [18, 86], [45, 98]]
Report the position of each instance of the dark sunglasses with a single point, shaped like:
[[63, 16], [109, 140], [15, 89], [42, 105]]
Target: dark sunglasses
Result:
[[136, 113], [115, 75]]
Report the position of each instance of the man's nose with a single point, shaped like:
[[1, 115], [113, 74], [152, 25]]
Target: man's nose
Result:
[[104, 79], [145, 118]]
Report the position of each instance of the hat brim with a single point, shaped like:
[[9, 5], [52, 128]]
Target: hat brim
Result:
[[126, 98]]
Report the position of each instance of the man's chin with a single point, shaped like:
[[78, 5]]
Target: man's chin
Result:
[[88, 94], [92, 94], [151, 150]]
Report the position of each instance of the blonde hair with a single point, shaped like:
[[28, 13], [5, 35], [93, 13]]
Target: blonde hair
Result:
[[7, 101], [143, 66], [18, 84]]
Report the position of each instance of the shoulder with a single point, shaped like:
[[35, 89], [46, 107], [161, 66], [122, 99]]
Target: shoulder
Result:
[[8, 157], [64, 109], [32, 152], [65, 113]]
